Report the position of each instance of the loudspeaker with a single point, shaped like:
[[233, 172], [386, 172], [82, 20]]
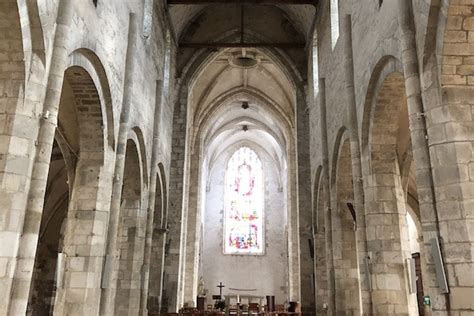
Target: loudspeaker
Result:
[[439, 266], [411, 271]]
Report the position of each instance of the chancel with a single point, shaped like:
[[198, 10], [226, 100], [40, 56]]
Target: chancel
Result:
[[236, 157]]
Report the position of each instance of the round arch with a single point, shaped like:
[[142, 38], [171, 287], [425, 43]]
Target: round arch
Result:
[[90, 62]]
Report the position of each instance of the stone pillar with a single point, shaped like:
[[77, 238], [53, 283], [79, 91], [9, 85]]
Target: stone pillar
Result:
[[387, 235], [304, 208], [344, 242], [84, 238], [107, 303], [155, 278], [320, 258], [356, 168], [21, 263], [447, 106], [131, 237], [193, 228], [327, 212], [177, 213], [151, 220], [294, 283]]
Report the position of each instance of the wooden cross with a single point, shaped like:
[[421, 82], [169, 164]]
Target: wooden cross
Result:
[[220, 286]]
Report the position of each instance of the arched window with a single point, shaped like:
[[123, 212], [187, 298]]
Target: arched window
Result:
[[244, 202], [167, 66], [147, 17], [334, 22], [315, 64]]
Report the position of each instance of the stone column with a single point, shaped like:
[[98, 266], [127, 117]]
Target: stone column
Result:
[[442, 129], [23, 264], [107, 304], [304, 207], [151, 220], [294, 283], [327, 213], [177, 213], [193, 228], [366, 304], [320, 258], [22, 88]]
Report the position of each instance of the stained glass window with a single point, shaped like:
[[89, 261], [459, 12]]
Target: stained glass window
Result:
[[244, 200]]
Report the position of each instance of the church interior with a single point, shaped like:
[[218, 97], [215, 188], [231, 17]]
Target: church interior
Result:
[[237, 157]]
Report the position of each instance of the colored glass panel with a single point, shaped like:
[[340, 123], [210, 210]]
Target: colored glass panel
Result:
[[244, 200]]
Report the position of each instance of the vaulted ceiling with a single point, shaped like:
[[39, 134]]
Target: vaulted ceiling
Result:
[[248, 60], [182, 15]]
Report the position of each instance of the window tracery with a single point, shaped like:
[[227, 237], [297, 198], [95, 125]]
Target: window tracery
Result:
[[244, 203]]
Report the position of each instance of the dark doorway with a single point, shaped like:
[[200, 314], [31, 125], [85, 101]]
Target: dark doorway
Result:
[[419, 283], [44, 281]]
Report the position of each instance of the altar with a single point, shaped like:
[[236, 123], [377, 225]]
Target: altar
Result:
[[244, 299], [234, 304]]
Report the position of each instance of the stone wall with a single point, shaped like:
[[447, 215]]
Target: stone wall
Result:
[[403, 39], [85, 45]]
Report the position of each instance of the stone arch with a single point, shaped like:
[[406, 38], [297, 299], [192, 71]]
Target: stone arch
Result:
[[81, 138], [90, 62], [202, 130], [12, 74], [158, 244], [22, 36], [385, 128], [253, 95], [198, 63], [132, 225], [231, 124], [18, 109], [88, 110], [384, 67], [137, 135], [50, 239], [344, 240], [33, 32], [258, 149], [191, 70]]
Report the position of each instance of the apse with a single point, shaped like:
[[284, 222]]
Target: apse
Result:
[[242, 108]]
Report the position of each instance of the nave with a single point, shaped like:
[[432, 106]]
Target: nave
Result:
[[236, 157]]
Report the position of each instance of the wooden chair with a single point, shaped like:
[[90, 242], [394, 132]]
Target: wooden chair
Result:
[[280, 310], [254, 308]]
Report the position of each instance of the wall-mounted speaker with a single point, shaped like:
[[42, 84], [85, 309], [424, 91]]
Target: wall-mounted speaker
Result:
[[439, 265]]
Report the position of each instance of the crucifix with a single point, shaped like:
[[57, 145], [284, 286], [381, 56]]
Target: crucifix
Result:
[[220, 286]]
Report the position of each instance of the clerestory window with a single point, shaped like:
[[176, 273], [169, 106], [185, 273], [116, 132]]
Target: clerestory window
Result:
[[334, 22]]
